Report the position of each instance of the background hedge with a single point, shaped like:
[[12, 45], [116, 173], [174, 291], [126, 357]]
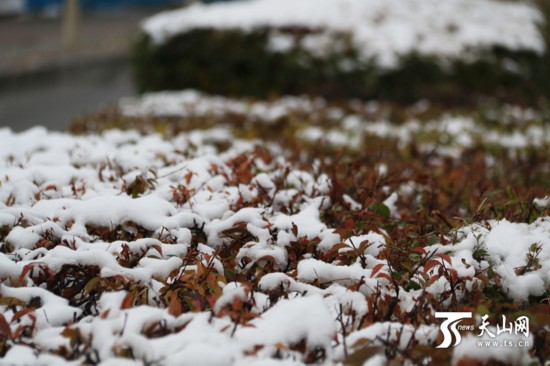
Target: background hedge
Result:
[[237, 63]]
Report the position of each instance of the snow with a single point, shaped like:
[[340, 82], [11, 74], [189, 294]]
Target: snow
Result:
[[350, 127], [159, 267], [376, 242], [87, 203], [507, 245], [469, 349], [75, 212], [382, 30], [542, 202], [9, 269], [308, 317], [200, 354], [396, 332], [20, 355], [306, 221], [189, 103]]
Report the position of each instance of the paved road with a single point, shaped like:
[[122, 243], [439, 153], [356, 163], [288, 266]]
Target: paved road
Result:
[[42, 83], [54, 99]]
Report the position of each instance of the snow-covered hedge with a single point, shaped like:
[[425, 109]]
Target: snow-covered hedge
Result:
[[347, 48], [284, 248]]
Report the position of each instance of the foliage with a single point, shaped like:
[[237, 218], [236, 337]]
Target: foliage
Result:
[[237, 63], [482, 182]]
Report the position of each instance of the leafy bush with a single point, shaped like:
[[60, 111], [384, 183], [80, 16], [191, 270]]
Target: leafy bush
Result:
[[464, 201], [237, 63]]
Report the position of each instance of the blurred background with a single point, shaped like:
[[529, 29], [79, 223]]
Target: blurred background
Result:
[[63, 58]]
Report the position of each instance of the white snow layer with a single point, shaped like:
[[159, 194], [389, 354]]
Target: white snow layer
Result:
[[382, 30]]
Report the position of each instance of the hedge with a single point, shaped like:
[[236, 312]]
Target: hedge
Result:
[[238, 63]]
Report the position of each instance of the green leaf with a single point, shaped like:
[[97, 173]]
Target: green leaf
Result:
[[483, 310], [91, 285], [381, 209], [230, 275]]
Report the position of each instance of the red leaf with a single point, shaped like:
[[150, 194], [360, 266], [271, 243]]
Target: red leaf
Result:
[[128, 301], [188, 177], [346, 229], [376, 268], [445, 257], [454, 275], [24, 272], [20, 329], [197, 304], [32, 317], [158, 248], [484, 279], [340, 246], [211, 300], [150, 329], [384, 275], [431, 264], [21, 313], [433, 279], [269, 258], [419, 250], [5, 330], [294, 229], [174, 307], [336, 249]]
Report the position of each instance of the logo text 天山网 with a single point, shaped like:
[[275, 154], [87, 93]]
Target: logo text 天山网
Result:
[[451, 327]]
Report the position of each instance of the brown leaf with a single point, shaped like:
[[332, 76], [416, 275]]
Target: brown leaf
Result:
[[21, 313], [363, 354], [433, 279], [376, 268], [431, 264], [174, 307], [24, 272], [158, 248], [294, 229], [5, 330], [19, 331], [445, 257], [188, 177], [128, 301], [384, 275], [105, 314]]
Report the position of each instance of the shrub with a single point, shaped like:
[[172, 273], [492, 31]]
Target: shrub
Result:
[[243, 63]]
